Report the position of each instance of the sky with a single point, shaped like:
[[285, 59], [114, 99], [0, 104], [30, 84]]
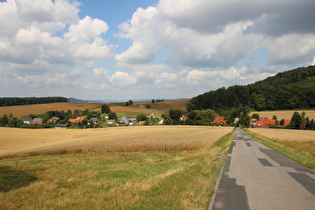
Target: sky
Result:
[[155, 49]]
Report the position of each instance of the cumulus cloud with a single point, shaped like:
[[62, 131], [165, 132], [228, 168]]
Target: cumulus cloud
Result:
[[217, 34], [33, 36], [179, 48]]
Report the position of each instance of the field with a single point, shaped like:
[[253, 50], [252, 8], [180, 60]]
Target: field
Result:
[[297, 144], [22, 110], [142, 138], [160, 167], [131, 111], [286, 114], [285, 135], [164, 106]]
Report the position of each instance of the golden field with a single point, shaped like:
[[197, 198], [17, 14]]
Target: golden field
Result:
[[15, 140], [164, 106], [157, 167], [159, 108], [285, 134], [23, 110], [285, 114]]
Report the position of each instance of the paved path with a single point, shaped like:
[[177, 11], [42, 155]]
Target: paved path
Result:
[[256, 177]]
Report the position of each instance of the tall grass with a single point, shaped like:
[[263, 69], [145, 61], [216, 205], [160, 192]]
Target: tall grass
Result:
[[300, 151], [172, 179]]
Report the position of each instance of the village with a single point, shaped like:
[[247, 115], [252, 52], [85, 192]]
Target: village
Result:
[[151, 119]]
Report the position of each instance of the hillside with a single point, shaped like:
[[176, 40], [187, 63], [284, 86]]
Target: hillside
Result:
[[159, 108], [294, 89]]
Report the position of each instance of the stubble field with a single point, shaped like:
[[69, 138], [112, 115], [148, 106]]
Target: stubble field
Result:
[[160, 167]]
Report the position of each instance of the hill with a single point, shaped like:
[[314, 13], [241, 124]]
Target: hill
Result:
[[158, 108], [294, 89]]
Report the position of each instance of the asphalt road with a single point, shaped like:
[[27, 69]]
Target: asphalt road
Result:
[[256, 177]]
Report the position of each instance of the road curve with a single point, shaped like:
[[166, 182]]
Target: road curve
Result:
[[256, 177]]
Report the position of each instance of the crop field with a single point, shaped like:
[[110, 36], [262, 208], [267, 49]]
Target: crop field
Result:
[[143, 138], [285, 134], [160, 167], [159, 108], [23, 110], [164, 106], [286, 114]]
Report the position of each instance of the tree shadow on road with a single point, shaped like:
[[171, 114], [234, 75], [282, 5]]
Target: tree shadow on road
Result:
[[11, 178]]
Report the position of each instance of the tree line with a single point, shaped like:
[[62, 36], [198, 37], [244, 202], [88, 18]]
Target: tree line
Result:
[[13, 101], [293, 89]]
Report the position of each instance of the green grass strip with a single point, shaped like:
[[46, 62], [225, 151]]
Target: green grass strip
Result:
[[299, 156]]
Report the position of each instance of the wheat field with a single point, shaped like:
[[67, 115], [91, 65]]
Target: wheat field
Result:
[[158, 138], [285, 134], [23, 110], [284, 114]]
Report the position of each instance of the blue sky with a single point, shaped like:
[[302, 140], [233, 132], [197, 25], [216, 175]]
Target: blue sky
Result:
[[131, 49]]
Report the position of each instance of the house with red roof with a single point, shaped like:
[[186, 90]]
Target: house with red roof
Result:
[[53, 119], [265, 123], [219, 120], [75, 120], [183, 118]]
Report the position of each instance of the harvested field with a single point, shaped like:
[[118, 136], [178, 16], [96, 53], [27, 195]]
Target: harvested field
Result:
[[285, 134], [23, 110], [286, 114], [164, 106], [158, 138]]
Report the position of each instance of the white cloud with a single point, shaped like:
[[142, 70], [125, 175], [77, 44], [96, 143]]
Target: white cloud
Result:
[[312, 63]]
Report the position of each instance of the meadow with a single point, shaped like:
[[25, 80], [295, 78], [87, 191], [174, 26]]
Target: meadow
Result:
[[296, 144], [157, 167]]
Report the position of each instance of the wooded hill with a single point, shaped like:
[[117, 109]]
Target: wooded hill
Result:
[[294, 89], [13, 101]]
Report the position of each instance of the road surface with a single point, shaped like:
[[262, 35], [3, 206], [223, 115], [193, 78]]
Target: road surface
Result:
[[256, 177]]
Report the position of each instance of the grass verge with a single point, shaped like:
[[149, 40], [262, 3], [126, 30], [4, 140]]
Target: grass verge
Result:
[[300, 151], [179, 179]]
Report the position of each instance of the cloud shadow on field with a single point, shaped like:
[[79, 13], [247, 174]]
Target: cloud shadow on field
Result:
[[11, 178]]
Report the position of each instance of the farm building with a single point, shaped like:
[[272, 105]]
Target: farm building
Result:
[[183, 118], [53, 119], [75, 120], [94, 121], [60, 126], [38, 121], [142, 122], [263, 122], [219, 120], [27, 120], [152, 116], [125, 120]]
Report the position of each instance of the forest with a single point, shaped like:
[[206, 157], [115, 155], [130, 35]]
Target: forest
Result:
[[13, 101], [294, 89]]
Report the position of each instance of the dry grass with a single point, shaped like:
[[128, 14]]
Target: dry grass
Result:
[[286, 114], [23, 110], [180, 179], [159, 138]]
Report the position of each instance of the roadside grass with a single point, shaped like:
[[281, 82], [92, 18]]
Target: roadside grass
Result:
[[178, 179], [300, 151]]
